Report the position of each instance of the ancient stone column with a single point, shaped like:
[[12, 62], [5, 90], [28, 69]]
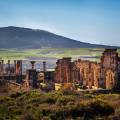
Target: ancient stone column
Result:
[[44, 66], [8, 72], [14, 66], [2, 66], [33, 64], [19, 71]]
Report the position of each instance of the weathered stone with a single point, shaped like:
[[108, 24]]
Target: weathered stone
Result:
[[92, 74], [63, 70], [109, 68]]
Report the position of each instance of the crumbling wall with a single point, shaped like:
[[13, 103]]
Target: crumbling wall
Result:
[[63, 70], [86, 73], [109, 68], [89, 73]]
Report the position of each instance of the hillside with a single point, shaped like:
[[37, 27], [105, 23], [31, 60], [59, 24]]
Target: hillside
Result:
[[24, 38]]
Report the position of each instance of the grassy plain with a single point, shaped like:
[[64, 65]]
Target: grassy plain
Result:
[[85, 53]]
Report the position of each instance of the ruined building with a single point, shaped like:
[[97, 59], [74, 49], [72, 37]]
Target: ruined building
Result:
[[63, 71], [109, 68], [90, 74], [31, 76], [85, 73], [11, 71], [18, 70]]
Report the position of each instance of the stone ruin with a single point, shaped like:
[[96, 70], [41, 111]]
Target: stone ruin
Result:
[[105, 74]]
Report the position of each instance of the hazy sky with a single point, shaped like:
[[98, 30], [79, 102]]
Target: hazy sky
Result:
[[94, 21]]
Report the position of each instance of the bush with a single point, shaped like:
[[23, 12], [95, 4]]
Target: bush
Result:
[[28, 116], [81, 111], [101, 108], [59, 105], [17, 94], [63, 100], [58, 114]]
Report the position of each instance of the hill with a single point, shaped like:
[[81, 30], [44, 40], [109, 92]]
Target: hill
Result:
[[24, 38]]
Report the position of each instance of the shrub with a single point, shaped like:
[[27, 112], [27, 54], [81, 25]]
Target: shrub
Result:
[[17, 94], [28, 116], [63, 100], [81, 111], [101, 108]]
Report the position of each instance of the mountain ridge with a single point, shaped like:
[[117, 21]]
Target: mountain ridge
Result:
[[25, 38]]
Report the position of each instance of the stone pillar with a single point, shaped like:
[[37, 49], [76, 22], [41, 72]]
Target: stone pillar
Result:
[[14, 66], [21, 67], [33, 64], [18, 71], [44, 66], [32, 77], [8, 72], [2, 66]]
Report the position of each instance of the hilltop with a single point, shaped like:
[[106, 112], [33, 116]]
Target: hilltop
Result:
[[26, 38]]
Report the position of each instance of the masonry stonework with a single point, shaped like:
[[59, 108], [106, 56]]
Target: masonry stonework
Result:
[[105, 74]]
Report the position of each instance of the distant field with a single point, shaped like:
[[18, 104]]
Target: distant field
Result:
[[52, 53]]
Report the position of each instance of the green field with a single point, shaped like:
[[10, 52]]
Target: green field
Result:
[[48, 53], [85, 53]]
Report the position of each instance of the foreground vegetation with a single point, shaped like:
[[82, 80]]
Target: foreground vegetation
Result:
[[59, 105]]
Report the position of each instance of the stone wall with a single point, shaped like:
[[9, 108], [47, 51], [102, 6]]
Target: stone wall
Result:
[[92, 74], [109, 68], [63, 70], [87, 73]]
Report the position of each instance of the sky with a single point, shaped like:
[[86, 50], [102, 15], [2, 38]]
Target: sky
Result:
[[92, 21]]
